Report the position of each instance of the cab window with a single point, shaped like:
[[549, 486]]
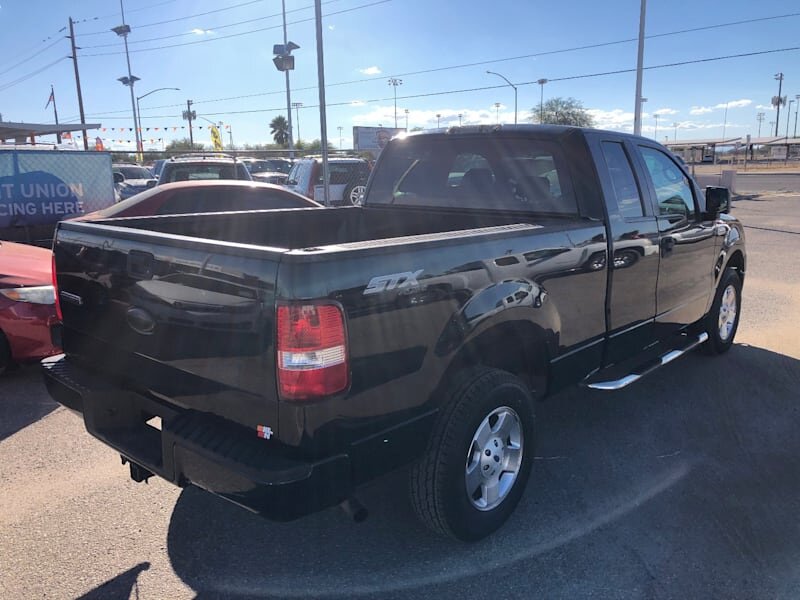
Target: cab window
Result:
[[673, 189]]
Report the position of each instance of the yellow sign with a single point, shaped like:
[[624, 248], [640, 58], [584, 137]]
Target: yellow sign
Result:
[[215, 139]]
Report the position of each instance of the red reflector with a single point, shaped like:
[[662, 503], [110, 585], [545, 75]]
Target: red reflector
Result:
[[55, 287], [311, 351]]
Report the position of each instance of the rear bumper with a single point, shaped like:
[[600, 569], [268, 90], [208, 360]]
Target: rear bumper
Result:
[[195, 448]]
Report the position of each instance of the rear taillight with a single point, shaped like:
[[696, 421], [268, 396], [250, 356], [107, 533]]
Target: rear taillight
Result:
[[55, 287], [312, 351]]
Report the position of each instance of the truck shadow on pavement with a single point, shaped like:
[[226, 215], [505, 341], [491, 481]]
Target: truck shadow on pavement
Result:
[[684, 485], [18, 407]]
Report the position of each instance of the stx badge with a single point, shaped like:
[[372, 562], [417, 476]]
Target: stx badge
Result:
[[398, 281]]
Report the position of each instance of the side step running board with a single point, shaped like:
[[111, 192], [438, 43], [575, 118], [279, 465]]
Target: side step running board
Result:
[[618, 384]]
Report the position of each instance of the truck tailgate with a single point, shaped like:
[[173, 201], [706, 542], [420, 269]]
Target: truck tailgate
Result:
[[182, 320]]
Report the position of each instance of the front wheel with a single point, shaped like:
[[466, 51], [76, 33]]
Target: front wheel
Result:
[[355, 195], [722, 320], [478, 458]]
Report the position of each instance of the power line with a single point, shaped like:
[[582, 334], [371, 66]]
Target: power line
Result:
[[29, 75], [31, 57], [216, 28], [36, 47], [202, 14], [233, 35]]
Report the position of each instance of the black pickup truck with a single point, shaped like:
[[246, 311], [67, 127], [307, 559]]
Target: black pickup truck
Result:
[[279, 359]]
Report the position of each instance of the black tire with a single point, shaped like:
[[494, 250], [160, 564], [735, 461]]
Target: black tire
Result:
[[717, 342], [5, 355], [438, 481]]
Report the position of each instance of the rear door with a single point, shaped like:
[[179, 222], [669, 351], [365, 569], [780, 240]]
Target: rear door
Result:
[[686, 242], [634, 262]]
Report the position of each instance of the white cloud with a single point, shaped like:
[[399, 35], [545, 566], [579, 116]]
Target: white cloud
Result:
[[765, 107], [612, 119], [427, 119], [665, 111], [370, 71], [700, 110], [331, 27], [198, 31], [735, 104]]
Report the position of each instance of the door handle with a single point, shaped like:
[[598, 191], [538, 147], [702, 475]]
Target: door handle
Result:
[[667, 244]]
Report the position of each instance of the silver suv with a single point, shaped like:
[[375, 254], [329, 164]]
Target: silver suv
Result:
[[191, 167]]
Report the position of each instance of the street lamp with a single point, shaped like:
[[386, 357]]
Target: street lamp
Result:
[[760, 119], [459, 119], [284, 61], [296, 106], [438, 116], [797, 105], [139, 113], [406, 111], [655, 134], [394, 82], [515, 93], [123, 31], [675, 138], [541, 83], [497, 108], [788, 118], [340, 128], [725, 122]]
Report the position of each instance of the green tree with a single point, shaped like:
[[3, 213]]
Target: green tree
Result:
[[562, 111], [279, 129], [182, 145]]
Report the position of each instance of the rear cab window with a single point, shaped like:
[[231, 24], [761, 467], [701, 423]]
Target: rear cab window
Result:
[[475, 171]]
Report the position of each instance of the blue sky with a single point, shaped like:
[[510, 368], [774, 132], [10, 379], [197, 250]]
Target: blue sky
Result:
[[232, 79]]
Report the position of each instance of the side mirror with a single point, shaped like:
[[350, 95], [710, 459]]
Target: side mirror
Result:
[[151, 183], [118, 177], [718, 200]]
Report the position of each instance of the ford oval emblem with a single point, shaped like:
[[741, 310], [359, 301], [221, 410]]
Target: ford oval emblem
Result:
[[140, 321]]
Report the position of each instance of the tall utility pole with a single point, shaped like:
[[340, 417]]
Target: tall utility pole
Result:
[[637, 115], [394, 82], [655, 134], [55, 111], [725, 122], [497, 108], [438, 117], [760, 119], [776, 102], [406, 111], [675, 137], [541, 83], [340, 128], [788, 117], [797, 97], [77, 80], [123, 31], [296, 106], [189, 117], [288, 92]]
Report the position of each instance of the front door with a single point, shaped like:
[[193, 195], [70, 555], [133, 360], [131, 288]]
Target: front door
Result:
[[686, 245]]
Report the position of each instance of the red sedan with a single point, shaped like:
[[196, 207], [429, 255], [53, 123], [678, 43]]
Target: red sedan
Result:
[[199, 196], [27, 304]]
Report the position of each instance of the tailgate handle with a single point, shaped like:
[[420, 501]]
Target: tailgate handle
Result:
[[140, 264]]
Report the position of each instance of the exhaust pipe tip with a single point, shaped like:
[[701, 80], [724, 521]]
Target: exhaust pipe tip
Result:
[[355, 510]]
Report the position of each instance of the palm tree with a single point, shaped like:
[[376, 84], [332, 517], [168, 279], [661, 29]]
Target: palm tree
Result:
[[279, 128]]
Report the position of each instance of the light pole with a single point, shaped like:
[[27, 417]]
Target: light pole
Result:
[[797, 105], [394, 82], [788, 117], [725, 122], [139, 112], [438, 116], [655, 134], [760, 119], [515, 93], [675, 137], [406, 111], [123, 31], [541, 83], [296, 106], [637, 117], [340, 128], [497, 108], [778, 100], [459, 119]]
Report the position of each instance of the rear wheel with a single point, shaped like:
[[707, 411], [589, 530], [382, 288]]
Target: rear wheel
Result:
[[5, 354], [722, 320], [354, 195], [478, 458]]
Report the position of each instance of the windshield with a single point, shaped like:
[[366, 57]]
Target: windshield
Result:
[[134, 172]]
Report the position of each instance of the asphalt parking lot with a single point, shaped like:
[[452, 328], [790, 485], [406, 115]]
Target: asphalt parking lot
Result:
[[685, 485]]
